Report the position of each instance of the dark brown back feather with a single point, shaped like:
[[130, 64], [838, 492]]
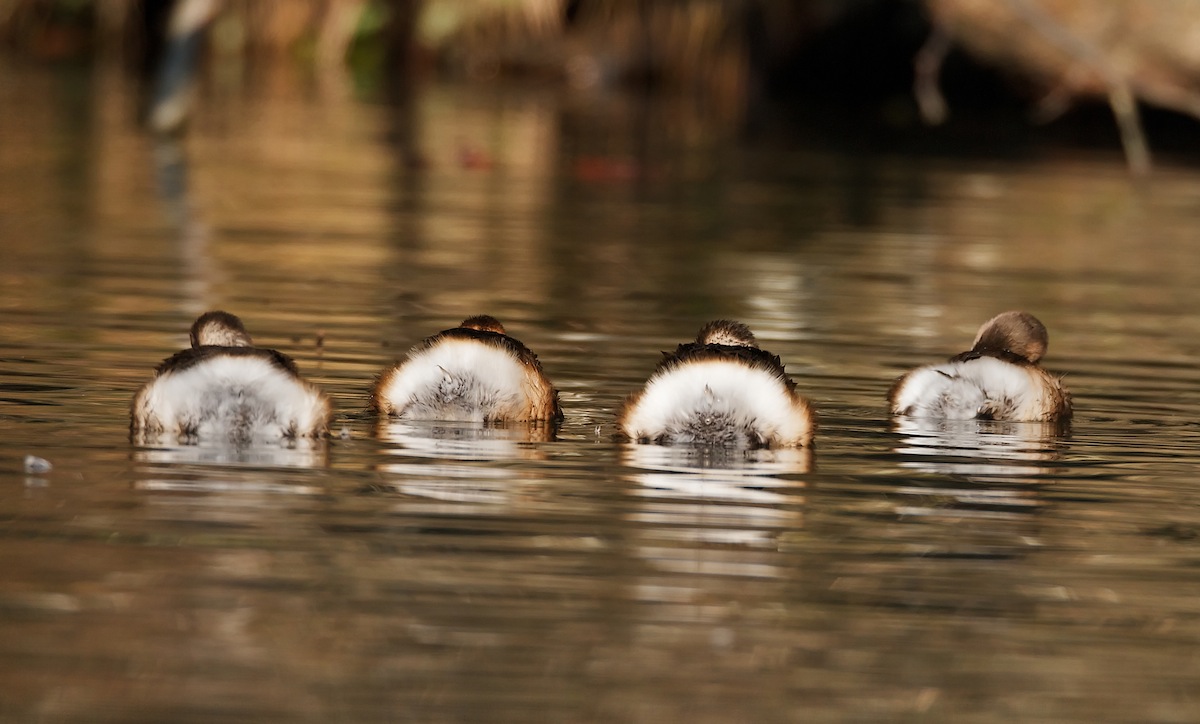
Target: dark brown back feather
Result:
[[192, 356], [750, 356]]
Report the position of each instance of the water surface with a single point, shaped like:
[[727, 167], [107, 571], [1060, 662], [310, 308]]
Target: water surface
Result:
[[980, 572]]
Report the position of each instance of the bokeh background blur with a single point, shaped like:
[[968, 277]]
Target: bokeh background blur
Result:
[[862, 182], [897, 64]]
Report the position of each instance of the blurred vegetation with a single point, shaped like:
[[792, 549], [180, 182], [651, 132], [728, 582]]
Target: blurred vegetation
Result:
[[1049, 53], [725, 51], [586, 41]]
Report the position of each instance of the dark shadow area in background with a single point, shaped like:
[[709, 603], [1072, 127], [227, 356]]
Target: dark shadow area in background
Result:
[[852, 87], [841, 79]]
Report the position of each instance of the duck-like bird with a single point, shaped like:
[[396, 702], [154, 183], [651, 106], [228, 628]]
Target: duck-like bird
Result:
[[223, 388], [999, 378], [720, 390], [474, 372]]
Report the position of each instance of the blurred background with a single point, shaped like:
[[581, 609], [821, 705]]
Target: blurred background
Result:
[[986, 68], [862, 182]]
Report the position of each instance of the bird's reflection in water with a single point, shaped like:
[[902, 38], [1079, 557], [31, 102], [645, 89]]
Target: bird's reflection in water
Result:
[[689, 498], [995, 468], [226, 485], [964, 498], [980, 447], [452, 461], [466, 440], [163, 450]]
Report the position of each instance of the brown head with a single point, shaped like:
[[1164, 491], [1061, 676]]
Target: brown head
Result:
[[1017, 332], [219, 329], [483, 323], [728, 333]]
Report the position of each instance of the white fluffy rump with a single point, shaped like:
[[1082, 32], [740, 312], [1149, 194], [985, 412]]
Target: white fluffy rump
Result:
[[718, 402], [458, 380], [985, 387], [242, 399]]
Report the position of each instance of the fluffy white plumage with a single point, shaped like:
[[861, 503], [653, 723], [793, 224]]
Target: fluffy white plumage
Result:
[[985, 387], [718, 401], [458, 380], [999, 378], [243, 399]]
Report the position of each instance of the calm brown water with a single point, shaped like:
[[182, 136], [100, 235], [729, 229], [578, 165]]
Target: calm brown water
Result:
[[436, 574]]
